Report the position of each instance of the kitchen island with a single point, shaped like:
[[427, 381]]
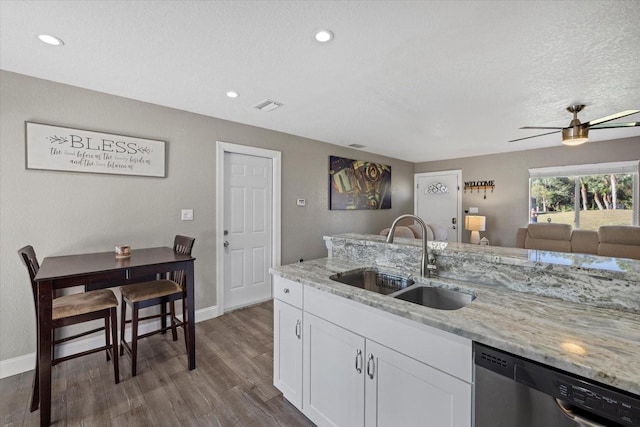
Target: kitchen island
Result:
[[577, 313]]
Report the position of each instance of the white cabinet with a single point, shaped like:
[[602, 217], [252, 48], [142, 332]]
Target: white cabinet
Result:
[[287, 342], [400, 391], [333, 380], [362, 366], [352, 381]]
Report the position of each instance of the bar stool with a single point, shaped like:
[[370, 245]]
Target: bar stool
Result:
[[156, 292], [70, 310]]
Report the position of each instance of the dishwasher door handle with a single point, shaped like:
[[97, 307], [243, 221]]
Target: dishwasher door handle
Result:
[[582, 421]]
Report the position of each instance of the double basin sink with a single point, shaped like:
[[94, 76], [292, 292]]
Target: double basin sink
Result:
[[404, 288]]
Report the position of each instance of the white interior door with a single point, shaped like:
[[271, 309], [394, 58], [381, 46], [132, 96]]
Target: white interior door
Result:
[[247, 229], [438, 200]]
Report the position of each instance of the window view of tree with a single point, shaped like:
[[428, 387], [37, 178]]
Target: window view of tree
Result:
[[586, 202]]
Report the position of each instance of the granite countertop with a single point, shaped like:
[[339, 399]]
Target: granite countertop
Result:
[[601, 344]]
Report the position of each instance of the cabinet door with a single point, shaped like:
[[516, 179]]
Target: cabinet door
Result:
[[287, 351], [400, 391], [333, 374]]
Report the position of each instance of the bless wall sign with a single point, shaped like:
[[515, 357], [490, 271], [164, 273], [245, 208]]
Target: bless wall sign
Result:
[[75, 150]]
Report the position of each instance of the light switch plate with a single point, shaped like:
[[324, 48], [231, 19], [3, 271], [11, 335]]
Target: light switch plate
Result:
[[473, 210], [301, 202], [187, 214]]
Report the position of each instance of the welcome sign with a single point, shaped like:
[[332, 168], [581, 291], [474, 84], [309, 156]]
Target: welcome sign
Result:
[[75, 150]]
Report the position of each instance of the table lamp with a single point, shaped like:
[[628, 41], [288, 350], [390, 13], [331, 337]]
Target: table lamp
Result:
[[475, 224]]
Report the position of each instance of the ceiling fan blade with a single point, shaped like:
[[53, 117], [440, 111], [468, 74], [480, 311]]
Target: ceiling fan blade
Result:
[[535, 136], [540, 127], [612, 117], [615, 125]]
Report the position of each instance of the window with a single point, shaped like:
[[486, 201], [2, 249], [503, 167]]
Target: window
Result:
[[585, 196]]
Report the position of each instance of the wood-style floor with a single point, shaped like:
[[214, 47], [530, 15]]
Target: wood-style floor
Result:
[[230, 387]]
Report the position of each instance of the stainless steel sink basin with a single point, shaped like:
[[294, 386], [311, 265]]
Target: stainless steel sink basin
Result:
[[440, 298], [373, 280]]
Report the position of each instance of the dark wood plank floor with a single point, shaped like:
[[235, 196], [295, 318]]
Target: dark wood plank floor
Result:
[[231, 385]]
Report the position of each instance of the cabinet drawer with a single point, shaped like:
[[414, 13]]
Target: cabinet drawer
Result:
[[288, 291]]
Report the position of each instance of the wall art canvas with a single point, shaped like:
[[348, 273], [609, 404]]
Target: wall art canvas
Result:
[[357, 184], [75, 150]]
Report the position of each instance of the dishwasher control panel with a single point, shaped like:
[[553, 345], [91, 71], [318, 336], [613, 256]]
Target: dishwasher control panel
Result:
[[612, 404]]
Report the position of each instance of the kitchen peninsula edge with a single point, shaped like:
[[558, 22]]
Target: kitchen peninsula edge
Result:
[[534, 304]]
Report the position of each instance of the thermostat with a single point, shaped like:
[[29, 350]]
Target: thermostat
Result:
[[301, 202]]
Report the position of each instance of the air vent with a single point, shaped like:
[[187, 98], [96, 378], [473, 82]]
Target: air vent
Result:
[[356, 146], [494, 360], [267, 105]]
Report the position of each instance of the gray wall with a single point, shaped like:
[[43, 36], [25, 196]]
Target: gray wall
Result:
[[507, 207], [64, 213]]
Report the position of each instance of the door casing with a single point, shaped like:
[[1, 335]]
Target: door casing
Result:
[[276, 239]]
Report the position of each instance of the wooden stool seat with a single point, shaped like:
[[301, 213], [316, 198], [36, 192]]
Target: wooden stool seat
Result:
[[149, 290], [83, 303]]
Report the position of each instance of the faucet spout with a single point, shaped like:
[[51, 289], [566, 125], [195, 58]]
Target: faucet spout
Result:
[[427, 262]]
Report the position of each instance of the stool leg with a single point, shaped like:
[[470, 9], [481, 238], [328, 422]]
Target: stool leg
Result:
[[134, 338], [107, 334], [185, 323], [172, 315], [123, 322], [114, 348], [163, 318], [35, 389]]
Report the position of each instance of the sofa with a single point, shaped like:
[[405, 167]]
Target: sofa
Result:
[[435, 232], [620, 241]]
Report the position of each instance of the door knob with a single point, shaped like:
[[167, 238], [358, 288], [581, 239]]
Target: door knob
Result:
[[226, 244]]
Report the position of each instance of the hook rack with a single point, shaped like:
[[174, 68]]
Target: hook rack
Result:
[[479, 185]]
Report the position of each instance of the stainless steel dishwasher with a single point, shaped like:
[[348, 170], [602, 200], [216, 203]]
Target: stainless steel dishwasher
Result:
[[514, 392]]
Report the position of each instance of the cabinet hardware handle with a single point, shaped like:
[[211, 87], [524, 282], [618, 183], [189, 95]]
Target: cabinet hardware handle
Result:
[[359, 361], [371, 366], [299, 329], [286, 290]]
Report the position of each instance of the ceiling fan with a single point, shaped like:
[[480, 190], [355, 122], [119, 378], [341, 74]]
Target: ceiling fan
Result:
[[578, 133]]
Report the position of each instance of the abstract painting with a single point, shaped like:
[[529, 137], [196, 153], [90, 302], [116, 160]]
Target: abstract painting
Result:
[[358, 184]]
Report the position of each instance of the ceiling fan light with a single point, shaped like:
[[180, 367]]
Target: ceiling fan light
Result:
[[574, 141], [575, 135]]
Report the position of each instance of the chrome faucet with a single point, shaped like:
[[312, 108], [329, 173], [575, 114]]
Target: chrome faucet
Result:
[[428, 261]]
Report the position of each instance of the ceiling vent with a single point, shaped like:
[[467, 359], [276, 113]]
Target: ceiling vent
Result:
[[267, 105], [356, 146]]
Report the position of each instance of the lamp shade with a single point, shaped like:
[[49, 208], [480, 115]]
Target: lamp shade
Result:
[[475, 222]]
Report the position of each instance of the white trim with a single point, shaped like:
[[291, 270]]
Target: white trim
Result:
[[276, 157], [457, 172], [17, 365], [27, 362], [591, 169]]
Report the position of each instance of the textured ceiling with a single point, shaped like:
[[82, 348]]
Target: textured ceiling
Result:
[[412, 80]]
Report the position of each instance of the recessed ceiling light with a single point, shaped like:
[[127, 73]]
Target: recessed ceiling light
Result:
[[49, 39], [233, 94], [324, 36]]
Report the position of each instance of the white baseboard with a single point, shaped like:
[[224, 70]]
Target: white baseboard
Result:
[[27, 362], [17, 365]]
